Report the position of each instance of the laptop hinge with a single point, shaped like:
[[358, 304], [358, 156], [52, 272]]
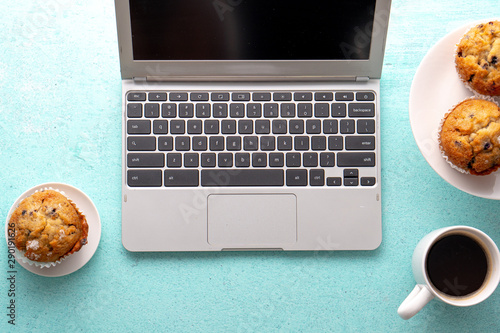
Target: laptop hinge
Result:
[[362, 78], [247, 78]]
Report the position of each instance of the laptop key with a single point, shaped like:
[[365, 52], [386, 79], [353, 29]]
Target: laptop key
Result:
[[144, 178], [327, 159], [160, 126], [254, 110], [178, 96], [174, 160], [271, 110], [293, 159], [219, 96], [203, 110], [262, 126], [240, 96], [287, 110], [225, 160], [191, 160], [169, 110], [368, 181], [364, 142], [177, 126], [199, 96], [259, 159], [242, 177], [236, 110], [220, 110], [186, 110], [361, 110], [242, 160], [302, 96], [321, 110], [152, 110], [305, 110], [355, 159], [365, 96], [323, 96], [208, 160], [136, 96], [261, 96], [284, 143], [250, 143], [138, 127], [148, 160], [245, 126], [211, 126], [165, 143], [199, 143], [296, 126], [279, 126], [317, 177], [157, 96], [137, 143], [339, 109], [181, 178], [194, 126], [134, 110], [365, 126], [296, 177], [276, 160], [282, 96], [310, 159], [344, 96]]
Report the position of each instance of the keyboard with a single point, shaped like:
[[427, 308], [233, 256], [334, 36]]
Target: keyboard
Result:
[[241, 138]]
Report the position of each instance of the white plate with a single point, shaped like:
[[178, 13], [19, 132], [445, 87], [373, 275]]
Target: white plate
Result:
[[436, 88], [77, 260]]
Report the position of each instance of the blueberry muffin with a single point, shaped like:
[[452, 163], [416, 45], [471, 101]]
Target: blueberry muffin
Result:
[[470, 136], [48, 227], [477, 58]]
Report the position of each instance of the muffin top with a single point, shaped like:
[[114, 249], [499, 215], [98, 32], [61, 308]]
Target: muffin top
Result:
[[470, 136], [48, 226], [478, 58]]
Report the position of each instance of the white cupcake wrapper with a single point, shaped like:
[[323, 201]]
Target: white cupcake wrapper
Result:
[[443, 154], [20, 255]]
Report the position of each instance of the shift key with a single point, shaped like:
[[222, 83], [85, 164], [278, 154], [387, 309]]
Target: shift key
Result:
[[145, 160], [356, 159]]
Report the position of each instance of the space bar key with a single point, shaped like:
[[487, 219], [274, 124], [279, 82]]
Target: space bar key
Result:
[[243, 177]]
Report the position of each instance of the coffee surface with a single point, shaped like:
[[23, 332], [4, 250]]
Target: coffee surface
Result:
[[457, 265]]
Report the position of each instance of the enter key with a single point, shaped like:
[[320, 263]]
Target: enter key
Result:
[[364, 142]]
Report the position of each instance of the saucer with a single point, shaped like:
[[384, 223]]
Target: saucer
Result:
[[435, 89], [78, 259]]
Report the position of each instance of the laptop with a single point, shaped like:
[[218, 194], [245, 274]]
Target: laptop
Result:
[[251, 125]]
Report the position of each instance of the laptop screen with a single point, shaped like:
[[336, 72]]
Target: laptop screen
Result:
[[251, 30]]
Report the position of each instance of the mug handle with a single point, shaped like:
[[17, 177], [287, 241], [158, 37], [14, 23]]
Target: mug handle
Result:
[[415, 301]]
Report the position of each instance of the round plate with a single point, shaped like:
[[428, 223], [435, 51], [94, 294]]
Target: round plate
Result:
[[436, 88], [78, 259]]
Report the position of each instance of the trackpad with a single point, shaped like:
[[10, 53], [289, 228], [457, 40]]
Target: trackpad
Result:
[[252, 220]]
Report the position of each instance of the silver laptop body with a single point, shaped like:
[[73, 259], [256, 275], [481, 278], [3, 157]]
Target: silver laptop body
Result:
[[213, 51]]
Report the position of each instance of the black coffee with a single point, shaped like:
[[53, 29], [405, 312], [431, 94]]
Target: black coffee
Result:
[[457, 265]]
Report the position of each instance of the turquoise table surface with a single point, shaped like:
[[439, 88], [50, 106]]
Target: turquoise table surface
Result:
[[60, 121]]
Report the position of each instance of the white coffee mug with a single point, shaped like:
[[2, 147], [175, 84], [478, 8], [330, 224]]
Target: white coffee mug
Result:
[[448, 288]]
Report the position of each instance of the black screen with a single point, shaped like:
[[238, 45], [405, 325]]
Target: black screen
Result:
[[251, 30]]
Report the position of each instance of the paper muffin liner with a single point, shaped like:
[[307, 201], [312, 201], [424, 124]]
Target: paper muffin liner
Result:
[[20, 255], [495, 99], [443, 153]]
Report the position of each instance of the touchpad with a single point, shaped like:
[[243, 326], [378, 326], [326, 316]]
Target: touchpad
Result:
[[252, 220]]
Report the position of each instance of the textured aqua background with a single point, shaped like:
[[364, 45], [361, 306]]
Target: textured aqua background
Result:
[[60, 122]]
